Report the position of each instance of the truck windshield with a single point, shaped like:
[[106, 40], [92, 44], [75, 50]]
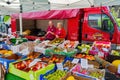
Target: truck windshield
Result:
[[115, 20]]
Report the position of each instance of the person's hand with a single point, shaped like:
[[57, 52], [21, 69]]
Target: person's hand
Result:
[[57, 36], [48, 32]]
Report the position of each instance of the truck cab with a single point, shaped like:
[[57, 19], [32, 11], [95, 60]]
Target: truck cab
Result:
[[99, 24]]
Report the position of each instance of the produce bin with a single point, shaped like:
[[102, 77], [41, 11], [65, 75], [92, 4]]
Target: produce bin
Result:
[[10, 76], [41, 77], [31, 75], [89, 72], [57, 76], [6, 62], [82, 75], [5, 46]]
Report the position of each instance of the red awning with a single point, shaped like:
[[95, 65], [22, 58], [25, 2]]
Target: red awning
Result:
[[52, 14]]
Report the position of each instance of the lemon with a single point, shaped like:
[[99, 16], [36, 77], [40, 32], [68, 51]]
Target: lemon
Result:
[[116, 63], [70, 78]]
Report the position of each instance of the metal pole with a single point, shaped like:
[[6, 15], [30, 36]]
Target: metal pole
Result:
[[20, 20]]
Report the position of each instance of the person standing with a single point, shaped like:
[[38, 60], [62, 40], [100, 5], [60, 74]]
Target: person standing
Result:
[[60, 31], [50, 35]]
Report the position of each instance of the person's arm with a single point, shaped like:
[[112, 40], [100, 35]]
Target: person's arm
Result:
[[63, 33], [54, 31], [48, 31]]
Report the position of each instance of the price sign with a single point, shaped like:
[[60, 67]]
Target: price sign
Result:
[[84, 63], [75, 60], [119, 69], [60, 66]]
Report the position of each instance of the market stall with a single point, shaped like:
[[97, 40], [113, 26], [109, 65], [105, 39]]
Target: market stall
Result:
[[55, 15], [65, 58]]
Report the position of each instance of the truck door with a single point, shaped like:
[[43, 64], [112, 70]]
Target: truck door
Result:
[[98, 27]]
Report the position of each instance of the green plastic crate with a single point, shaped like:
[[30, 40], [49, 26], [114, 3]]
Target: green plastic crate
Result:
[[10, 76], [31, 75], [49, 52]]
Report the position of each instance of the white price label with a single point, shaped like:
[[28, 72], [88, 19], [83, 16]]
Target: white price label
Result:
[[75, 60], [1, 46], [60, 66], [15, 49], [119, 69], [84, 50], [34, 62], [84, 63], [101, 54]]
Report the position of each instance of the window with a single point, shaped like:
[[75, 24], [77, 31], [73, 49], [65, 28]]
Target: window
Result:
[[94, 20]]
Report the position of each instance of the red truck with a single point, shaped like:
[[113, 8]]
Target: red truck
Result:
[[85, 25]]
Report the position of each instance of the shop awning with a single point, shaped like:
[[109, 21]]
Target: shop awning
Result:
[[52, 14]]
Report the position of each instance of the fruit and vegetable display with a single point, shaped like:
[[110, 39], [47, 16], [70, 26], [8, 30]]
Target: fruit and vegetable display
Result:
[[56, 41], [65, 54], [73, 76], [26, 65], [89, 57], [33, 55], [56, 59], [115, 53], [53, 59], [6, 52], [30, 45], [93, 72], [101, 48], [41, 47], [99, 74], [58, 74], [57, 49], [69, 44], [78, 68], [68, 65], [12, 57], [84, 48]]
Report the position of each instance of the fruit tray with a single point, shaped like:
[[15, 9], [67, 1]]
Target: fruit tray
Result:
[[30, 75], [75, 76], [67, 64], [6, 62], [53, 75], [41, 77], [96, 74], [56, 42], [69, 44]]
